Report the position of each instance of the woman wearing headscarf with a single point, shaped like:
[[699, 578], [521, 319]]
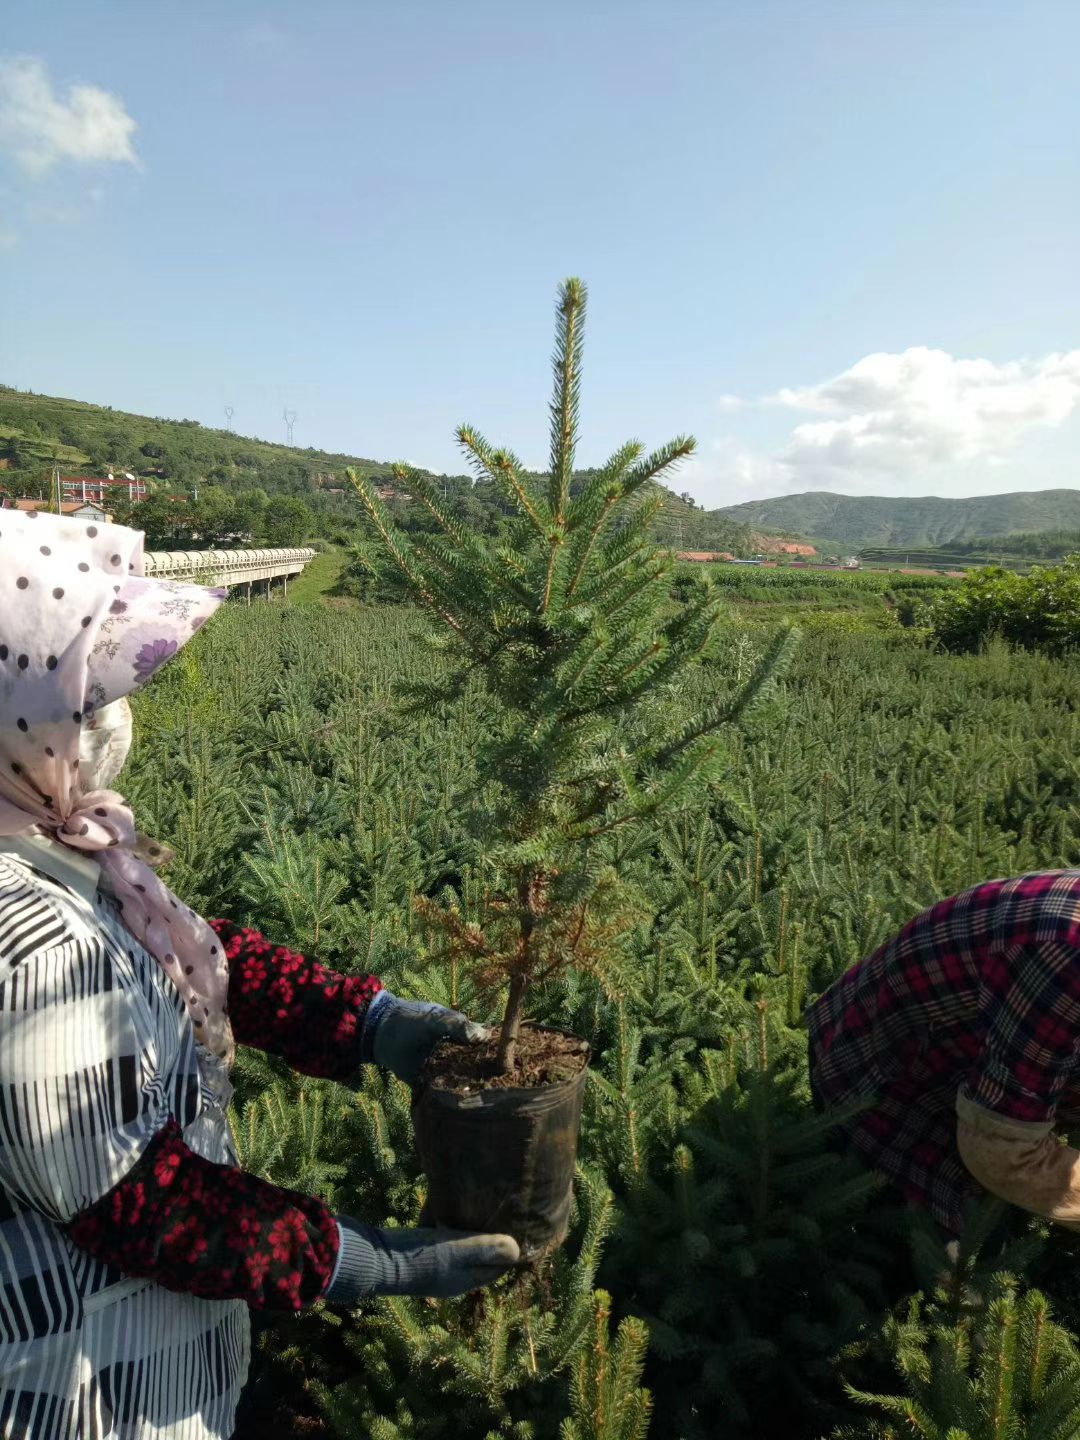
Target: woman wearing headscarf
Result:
[[131, 1244]]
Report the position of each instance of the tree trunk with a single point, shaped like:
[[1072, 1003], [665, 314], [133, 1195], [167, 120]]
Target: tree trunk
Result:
[[515, 1010]]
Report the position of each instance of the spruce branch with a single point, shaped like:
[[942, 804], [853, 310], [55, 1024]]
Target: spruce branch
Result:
[[605, 481], [397, 545], [504, 470], [730, 712], [566, 401], [659, 463]]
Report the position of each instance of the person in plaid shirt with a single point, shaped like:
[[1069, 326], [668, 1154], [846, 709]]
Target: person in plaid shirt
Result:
[[961, 1037]]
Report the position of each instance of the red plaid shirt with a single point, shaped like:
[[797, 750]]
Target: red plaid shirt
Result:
[[981, 990]]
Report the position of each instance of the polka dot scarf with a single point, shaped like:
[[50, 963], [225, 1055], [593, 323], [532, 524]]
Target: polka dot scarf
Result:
[[80, 627]]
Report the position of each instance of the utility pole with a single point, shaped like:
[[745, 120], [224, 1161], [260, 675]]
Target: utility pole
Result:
[[229, 413], [289, 416]]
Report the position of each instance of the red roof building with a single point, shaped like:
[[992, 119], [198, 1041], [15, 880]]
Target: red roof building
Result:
[[93, 489], [83, 510]]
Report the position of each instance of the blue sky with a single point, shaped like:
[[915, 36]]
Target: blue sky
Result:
[[838, 242]]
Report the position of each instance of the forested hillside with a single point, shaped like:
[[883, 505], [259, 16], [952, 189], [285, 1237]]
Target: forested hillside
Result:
[[236, 476], [179, 451], [857, 520]]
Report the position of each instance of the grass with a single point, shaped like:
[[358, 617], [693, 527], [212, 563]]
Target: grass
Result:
[[319, 579]]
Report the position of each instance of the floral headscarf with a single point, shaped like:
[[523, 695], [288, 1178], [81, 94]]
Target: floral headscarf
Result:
[[104, 744], [80, 627]]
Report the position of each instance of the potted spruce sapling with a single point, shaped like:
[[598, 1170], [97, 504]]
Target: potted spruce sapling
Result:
[[566, 619]]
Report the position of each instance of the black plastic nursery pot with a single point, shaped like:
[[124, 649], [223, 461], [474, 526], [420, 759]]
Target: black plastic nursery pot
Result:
[[501, 1161]]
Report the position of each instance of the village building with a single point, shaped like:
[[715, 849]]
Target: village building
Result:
[[78, 509], [97, 489]]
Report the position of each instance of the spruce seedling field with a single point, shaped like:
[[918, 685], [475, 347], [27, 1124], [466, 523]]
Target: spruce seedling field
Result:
[[721, 1258]]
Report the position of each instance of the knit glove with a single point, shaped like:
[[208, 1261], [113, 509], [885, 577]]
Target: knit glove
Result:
[[1021, 1161], [401, 1034], [440, 1263]]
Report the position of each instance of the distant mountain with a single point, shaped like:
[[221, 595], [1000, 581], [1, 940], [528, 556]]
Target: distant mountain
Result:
[[857, 520]]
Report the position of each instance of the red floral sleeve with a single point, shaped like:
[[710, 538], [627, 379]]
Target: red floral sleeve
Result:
[[290, 1005], [211, 1230]]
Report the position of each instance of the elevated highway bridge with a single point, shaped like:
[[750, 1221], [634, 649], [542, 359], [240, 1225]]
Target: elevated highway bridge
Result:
[[229, 567]]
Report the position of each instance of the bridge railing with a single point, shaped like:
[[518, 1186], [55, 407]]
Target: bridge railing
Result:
[[227, 567]]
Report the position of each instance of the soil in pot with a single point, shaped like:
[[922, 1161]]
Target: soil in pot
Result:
[[499, 1150]]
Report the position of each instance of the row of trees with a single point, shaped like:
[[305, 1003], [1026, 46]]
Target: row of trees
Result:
[[219, 518]]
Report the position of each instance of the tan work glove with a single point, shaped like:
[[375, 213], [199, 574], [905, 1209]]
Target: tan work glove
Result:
[[1022, 1161]]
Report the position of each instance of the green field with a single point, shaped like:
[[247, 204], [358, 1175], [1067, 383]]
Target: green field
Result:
[[319, 578], [855, 600], [944, 558], [878, 778]]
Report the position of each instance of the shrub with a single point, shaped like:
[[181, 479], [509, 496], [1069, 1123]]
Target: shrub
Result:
[[1038, 611]]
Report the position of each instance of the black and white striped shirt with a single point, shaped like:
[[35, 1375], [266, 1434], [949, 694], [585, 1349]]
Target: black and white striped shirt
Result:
[[96, 1054]]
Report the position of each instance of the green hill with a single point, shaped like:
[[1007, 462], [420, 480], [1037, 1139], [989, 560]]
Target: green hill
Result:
[[37, 431], [859, 520], [684, 526], [33, 428]]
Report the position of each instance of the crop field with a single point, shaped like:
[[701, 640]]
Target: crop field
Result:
[[861, 600], [722, 1256]]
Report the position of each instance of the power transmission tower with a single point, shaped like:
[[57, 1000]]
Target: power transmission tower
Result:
[[289, 416], [229, 412]]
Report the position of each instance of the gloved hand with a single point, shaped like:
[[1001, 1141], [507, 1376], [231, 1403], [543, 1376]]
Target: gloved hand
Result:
[[440, 1263], [401, 1034]]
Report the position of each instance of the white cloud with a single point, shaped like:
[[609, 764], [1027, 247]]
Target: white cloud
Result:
[[891, 414], [918, 421], [39, 127], [726, 472]]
